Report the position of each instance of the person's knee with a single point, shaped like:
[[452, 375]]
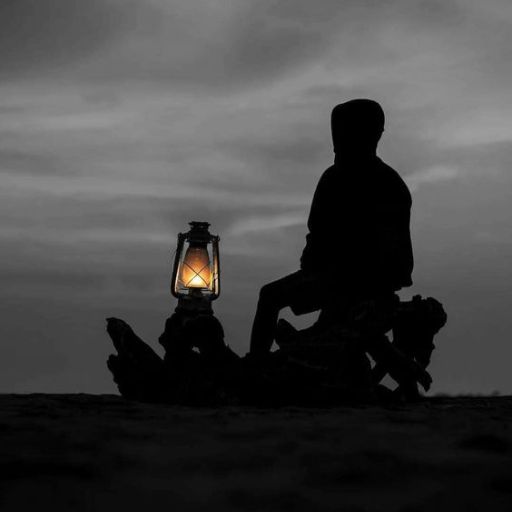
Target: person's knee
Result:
[[267, 294]]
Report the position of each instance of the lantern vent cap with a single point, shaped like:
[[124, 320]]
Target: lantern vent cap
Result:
[[199, 225]]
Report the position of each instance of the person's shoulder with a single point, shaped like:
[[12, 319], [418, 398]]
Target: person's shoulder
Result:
[[330, 170], [329, 174], [389, 172], [387, 168], [392, 176]]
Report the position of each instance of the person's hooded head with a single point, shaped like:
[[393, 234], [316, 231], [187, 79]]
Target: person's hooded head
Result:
[[357, 126]]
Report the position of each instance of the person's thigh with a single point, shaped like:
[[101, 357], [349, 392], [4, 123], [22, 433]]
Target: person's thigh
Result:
[[299, 291]]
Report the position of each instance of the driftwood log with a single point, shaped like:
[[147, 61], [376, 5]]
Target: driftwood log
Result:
[[334, 346], [328, 363]]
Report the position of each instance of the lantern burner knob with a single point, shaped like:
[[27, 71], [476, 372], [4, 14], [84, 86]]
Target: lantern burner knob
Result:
[[199, 226]]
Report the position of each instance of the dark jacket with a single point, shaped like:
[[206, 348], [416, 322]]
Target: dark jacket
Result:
[[358, 225]]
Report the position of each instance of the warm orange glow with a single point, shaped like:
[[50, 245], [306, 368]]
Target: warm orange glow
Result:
[[195, 268]]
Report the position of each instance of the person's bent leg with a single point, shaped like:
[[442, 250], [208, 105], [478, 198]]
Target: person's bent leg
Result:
[[270, 302], [273, 297]]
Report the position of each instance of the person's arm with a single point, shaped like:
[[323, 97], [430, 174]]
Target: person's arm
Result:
[[394, 242], [324, 213], [315, 216]]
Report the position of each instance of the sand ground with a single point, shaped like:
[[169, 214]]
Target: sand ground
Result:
[[86, 452]]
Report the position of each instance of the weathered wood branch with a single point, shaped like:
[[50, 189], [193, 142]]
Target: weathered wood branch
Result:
[[326, 363]]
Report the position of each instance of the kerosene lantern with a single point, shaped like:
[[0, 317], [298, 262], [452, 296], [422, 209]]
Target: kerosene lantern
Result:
[[195, 276]]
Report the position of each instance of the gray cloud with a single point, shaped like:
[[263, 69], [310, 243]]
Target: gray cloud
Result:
[[220, 45], [122, 121], [43, 36], [19, 162], [214, 43]]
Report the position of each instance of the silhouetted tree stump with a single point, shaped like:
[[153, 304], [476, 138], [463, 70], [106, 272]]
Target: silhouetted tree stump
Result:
[[415, 323], [198, 368], [138, 371], [339, 346], [326, 363]]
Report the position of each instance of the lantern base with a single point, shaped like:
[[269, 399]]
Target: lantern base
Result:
[[193, 304]]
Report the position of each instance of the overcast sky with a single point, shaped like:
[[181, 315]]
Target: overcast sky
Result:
[[122, 120]]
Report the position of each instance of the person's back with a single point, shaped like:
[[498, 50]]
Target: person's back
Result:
[[358, 225], [359, 241]]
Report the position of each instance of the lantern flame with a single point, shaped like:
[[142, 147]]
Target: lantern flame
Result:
[[195, 269]]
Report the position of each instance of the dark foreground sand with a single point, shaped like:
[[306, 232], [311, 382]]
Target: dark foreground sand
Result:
[[83, 452]]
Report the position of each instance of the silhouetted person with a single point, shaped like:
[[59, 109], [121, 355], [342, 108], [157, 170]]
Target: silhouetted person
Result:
[[358, 245]]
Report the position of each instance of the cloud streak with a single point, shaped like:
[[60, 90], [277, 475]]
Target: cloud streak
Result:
[[120, 121]]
